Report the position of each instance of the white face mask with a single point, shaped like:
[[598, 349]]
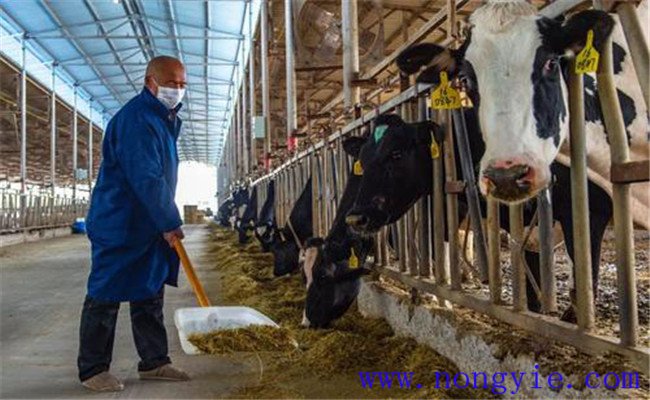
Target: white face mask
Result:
[[170, 97]]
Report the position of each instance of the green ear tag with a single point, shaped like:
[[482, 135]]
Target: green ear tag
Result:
[[379, 132]]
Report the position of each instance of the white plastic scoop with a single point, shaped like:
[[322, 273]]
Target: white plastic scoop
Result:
[[209, 318]]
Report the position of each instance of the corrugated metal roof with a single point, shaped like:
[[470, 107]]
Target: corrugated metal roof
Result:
[[103, 46]]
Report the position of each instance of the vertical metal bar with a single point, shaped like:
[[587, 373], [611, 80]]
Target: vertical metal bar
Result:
[[623, 228], [637, 44], [251, 82], [350, 29], [425, 208], [471, 191], [580, 205], [23, 121], [264, 61], [292, 113], [90, 147], [75, 145], [452, 204], [494, 250], [546, 241], [53, 131], [439, 219], [516, 259]]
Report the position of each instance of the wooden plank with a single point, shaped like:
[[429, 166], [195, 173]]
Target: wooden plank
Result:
[[537, 324], [630, 172]]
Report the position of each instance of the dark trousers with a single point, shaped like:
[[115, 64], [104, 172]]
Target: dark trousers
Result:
[[97, 333]]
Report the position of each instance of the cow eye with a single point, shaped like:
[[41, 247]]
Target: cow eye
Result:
[[396, 154]]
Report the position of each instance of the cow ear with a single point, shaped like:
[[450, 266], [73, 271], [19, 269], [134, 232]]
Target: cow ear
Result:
[[425, 129], [573, 35], [352, 145], [432, 58]]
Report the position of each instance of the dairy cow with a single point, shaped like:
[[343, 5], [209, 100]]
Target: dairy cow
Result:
[[266, 227], [291, 239], [398, 172], [249, 217], [332, 283], [514, 65], [517, 133]]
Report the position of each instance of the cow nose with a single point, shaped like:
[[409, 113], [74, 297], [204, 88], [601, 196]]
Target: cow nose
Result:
[[508, 180], [356, 220]]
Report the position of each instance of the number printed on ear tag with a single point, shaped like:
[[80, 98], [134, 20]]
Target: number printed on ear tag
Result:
[[357, 169], [587, 59], [435, 149], [353, 262], [445, 97]]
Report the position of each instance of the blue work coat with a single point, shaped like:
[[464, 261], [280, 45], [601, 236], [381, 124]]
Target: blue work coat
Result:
[[132, 203]]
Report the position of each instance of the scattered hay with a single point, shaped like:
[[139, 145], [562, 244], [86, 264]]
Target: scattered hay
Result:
[[255, 338], [328, 361]]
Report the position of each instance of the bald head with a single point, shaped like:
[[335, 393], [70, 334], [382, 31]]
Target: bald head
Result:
[[165, 71]]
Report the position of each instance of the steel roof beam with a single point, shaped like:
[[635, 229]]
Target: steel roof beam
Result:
[[74, 44], [145, 42], [77, 25], [95, 17], [105, 36], [102, 54], [203, 28], [187, 53], [144, 64]]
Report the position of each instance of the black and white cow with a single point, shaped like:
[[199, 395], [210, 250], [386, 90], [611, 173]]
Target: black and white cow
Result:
[[224, 213], [397, 172], [291, 239], [514, 65], [266, 227], [514, 70], [332, 283], [249, 217]]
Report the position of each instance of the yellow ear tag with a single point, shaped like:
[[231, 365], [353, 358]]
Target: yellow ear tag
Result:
[[357, 169], [353, 262], [445, 97], [587, 59], [435, 150]]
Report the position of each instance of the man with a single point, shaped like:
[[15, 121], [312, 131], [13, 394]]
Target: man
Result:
[[132, 225]]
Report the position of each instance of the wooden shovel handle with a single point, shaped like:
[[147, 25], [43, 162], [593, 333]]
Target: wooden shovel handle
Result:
[[191, 275]]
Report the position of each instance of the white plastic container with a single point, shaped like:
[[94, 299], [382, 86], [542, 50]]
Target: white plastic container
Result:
[[209, 319]]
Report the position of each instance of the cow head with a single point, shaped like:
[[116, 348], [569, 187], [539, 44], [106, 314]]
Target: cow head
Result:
[[512, 65], [392, 158], [332, 286]]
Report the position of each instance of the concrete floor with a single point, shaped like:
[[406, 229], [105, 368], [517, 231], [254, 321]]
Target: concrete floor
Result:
[[42, 290]]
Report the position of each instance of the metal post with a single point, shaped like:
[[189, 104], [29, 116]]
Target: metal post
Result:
[[580, 205], [350, 28], [471, 191], [624, 239], [546, 241], [292, 113], [251, 83], [53, 132], [516, 259], [90, 146], [494, 250], [425, 208], [438, 228], [75, 148], [23, 122], [452, 205], [637, 44], [266, 96]]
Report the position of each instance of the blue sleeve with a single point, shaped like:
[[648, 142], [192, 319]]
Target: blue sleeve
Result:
[[141, 157]]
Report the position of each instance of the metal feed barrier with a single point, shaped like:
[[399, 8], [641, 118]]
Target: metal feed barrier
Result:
[[441, 276], [29, 212]]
